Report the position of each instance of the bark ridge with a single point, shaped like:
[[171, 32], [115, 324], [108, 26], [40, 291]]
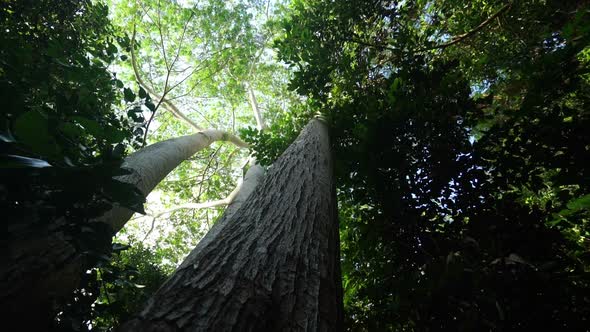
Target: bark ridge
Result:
[[272, 265]]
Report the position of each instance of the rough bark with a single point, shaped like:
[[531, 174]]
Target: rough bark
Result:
[[41, 266], [272, 265]]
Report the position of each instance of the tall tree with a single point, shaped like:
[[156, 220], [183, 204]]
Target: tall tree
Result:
[[212, 54], [462, 165], [54, 253], [271, 265]]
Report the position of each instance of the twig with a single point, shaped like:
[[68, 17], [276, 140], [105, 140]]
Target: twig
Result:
[[362, 42], [166, 90], [162, 37], [254, 104], [471, 32], [205, 205], [169, 105], [455, 40], [206, 170]]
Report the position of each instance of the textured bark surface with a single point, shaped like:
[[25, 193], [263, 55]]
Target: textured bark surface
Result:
[[272, 265], [41, 266]]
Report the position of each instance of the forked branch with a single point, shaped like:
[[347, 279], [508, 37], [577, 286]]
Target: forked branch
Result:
[[461, 37], [165, 102]]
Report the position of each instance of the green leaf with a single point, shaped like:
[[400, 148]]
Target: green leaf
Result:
[[120, 247], [149, 104], [579, 203], [92, 127], [136, 114], [31, 128], [129, 95], [113, 135], [118, 150], [112, 49], [71, 130], [12, 161]]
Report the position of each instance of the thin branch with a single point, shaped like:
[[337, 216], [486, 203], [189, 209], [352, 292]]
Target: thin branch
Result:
[[365, 43], [267, 8], [167, 104], [202, 115], [471, 32], [181, 41], [254, 104], [205, 205], [186, 77], [162, 37], [233, 119], [181, 71], [146, 12], [205, 170], [229, 158], [151, 229], [455, 40], [194, 86], [207, 220], [147, 127], [193, 97], [257, 56]]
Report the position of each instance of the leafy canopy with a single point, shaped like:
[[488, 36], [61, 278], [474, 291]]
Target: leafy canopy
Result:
[[461, 157]]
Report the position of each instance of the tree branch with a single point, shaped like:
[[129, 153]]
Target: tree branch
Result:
[[205, 170], [159, 24], [254, 104], [167, 104], [471, 32], [455, 40], [365, 43], [204, 205], [147, 127]]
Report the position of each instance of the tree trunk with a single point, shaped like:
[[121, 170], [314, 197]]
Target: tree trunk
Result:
[[272, 265], [42, 265]]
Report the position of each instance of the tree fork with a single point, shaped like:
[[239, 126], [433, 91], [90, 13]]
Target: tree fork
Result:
[[272, 265], [151, 164]]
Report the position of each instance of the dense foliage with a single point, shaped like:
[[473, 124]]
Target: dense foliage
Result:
[[114, 290], [60, 113], [459, 130], [60, 99], [63, 129], [462, 157]]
